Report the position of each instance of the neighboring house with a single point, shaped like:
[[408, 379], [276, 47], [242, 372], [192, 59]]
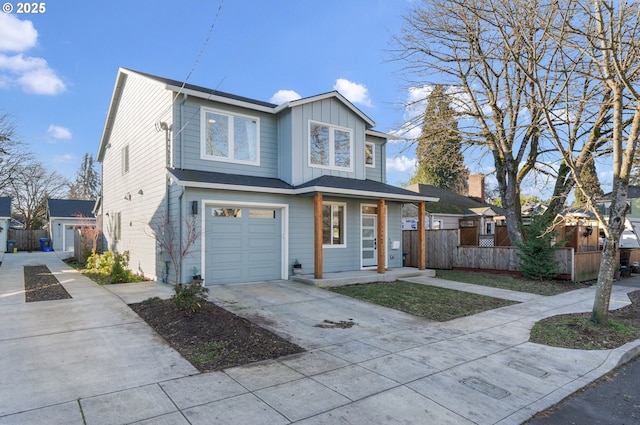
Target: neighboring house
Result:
[[64, 215], [265, 184], [474, 218], [5, 221], [629, 237]]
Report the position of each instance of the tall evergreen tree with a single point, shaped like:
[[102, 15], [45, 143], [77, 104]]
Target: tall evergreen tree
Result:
[[590, 183], [87, 183], [440, 159]]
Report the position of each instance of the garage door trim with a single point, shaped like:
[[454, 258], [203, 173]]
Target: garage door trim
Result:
[[284, 217]]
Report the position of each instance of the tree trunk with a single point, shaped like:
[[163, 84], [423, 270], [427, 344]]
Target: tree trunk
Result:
[[609, 264]]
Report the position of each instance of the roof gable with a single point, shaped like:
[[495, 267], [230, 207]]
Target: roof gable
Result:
[[332, 94], [70, 208]]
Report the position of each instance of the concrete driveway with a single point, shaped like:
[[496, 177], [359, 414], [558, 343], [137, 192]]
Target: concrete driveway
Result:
[[91, 360]]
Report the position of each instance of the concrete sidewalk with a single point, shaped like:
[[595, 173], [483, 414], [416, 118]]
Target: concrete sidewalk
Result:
[[91, 360]]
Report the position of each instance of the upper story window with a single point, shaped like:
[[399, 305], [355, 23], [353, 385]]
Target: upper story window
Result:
[[329, 146], [230, 137], [369, 154]]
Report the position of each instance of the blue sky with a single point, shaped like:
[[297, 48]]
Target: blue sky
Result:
[[58, 68]]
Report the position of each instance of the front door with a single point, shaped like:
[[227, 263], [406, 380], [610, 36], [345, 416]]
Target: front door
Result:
[[369, 240]]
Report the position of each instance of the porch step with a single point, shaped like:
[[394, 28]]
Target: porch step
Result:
[[362, 276]]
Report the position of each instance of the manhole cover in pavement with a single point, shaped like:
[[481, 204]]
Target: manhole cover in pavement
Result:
[[485, 387], [528, 369]]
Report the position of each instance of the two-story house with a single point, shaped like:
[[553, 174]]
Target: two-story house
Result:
[[267, 185]]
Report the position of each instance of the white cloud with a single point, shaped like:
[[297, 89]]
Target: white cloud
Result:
[[16, 35], [63, 159], [32, 74], [42, 81], [58, 132], [401, 164], [354, 92], [283, 96]]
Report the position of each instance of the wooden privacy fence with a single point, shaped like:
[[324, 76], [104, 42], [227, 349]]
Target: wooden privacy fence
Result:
[[27, 240], [443, 252]]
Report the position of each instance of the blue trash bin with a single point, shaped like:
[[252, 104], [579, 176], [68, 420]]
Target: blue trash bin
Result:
[[45, 244], [11, 245]]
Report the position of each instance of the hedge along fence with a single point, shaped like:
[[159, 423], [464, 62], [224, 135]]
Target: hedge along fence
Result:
[[443, 252]]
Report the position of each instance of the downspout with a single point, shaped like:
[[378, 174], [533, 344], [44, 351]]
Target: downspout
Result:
[[181, 212]]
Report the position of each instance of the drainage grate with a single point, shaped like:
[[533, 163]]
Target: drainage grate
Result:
[[485, 387], [528, 369]]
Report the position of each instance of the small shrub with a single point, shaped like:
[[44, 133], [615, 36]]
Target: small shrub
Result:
[[189, 298], [110, 267], [152, 300]]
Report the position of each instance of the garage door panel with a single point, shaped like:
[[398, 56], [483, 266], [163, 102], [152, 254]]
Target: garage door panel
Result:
[[243, 248], [222, 243]]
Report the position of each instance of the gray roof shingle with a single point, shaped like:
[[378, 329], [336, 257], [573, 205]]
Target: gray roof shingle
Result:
[[70, 207]]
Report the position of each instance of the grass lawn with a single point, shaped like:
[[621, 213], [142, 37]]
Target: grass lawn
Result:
[[430, 302], [515, 283]]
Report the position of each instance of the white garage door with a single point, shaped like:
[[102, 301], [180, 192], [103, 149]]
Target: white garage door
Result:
[[243, 244]]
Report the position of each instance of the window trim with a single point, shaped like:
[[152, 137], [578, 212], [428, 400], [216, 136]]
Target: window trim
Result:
[[231, 115], [344, 224], [332, 153], [373, 155]]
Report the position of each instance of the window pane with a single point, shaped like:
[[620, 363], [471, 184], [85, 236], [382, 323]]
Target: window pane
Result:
[[326, 224], [260, 213], [245, 139], [337, 225], [368, 153], [342, 148], [227, 212], [217, 143], [319, 144]]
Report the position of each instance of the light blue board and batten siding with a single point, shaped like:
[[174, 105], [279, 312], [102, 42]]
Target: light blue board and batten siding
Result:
[[300, 230], [143, 103], [187, 142], [377, 173], [329, 111]]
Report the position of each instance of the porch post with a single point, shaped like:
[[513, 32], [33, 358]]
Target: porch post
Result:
[[317, 236], [422, 257], [382, 237]]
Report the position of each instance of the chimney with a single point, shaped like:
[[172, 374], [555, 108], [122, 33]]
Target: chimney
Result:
[[476, 187]]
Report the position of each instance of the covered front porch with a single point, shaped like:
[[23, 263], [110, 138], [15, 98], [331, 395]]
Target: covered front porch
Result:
[[362, 276]]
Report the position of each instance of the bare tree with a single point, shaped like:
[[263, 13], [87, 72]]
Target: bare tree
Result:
[[89, 230], [12, 153], [30, 189], [176, 239], [607, 33], [489, 53]]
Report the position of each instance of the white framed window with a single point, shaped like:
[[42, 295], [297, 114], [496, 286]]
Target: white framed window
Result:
[[229, 137], [124, 160], [330, 146], [369, 154], [334, 224]]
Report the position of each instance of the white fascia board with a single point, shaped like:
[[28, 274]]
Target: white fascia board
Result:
[[379, 134], [364, 194], [221, 99], [237, 187]]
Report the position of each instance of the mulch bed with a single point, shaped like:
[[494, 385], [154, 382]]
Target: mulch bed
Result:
[[213, 338], [41, 285]]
